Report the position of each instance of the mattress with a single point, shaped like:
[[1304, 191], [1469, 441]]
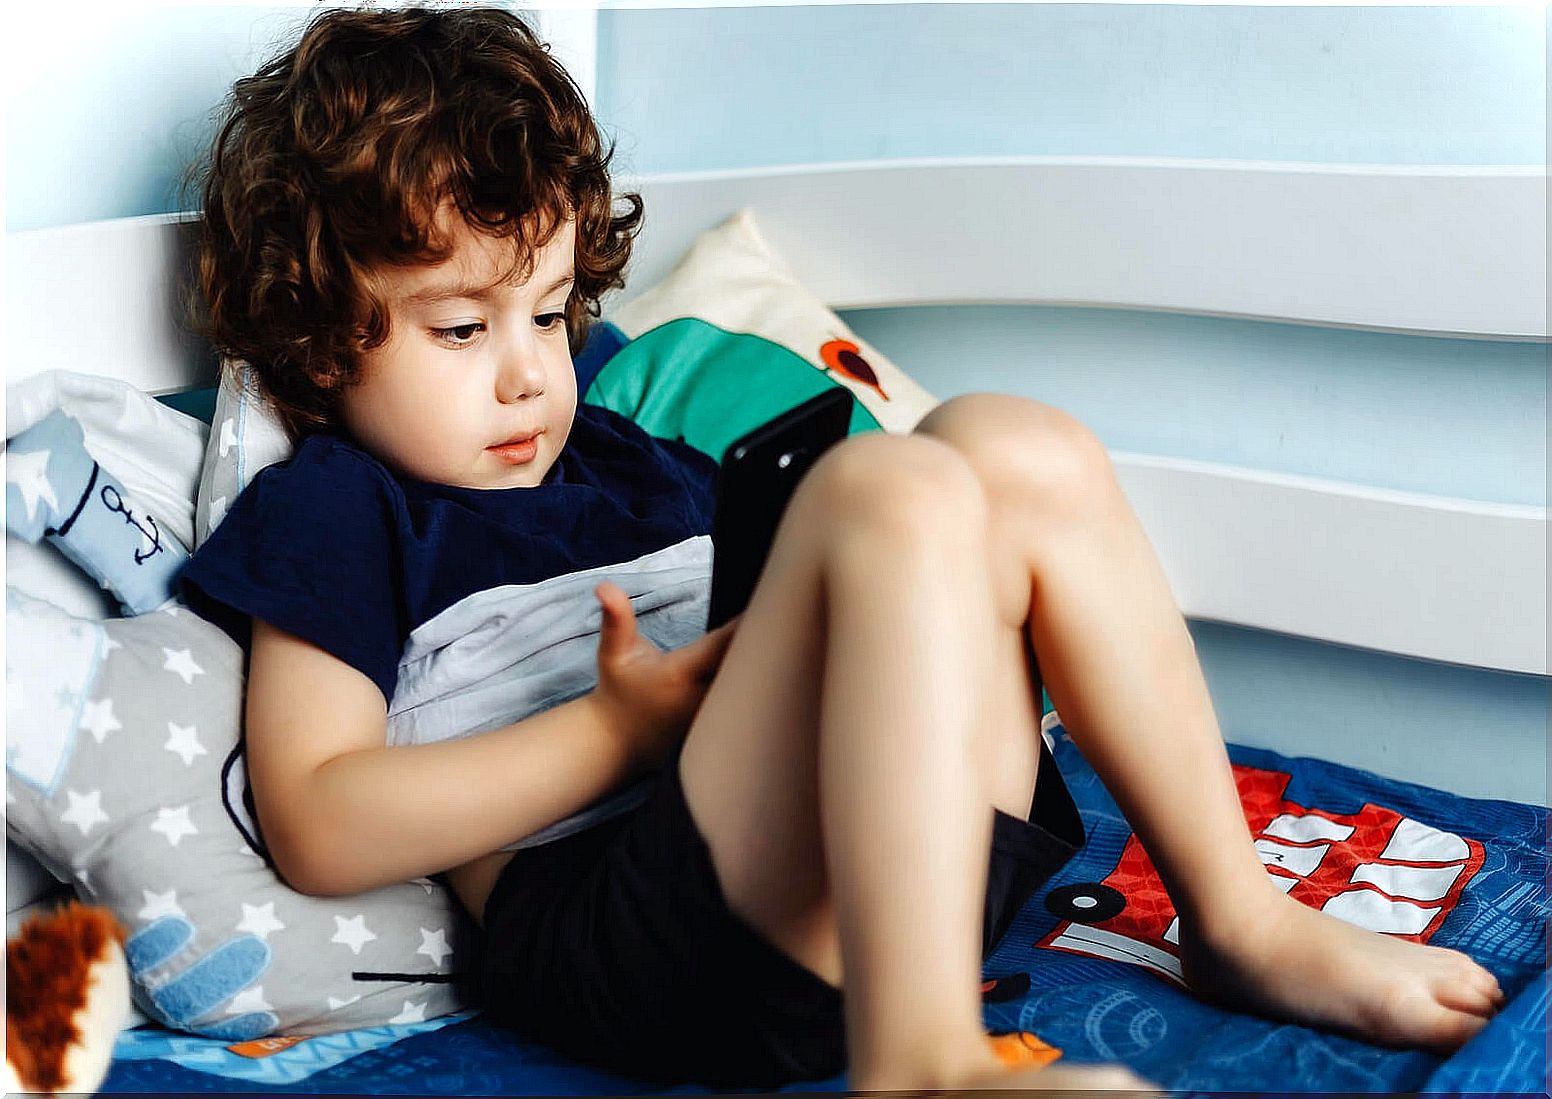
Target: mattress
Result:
[[1088, 965]]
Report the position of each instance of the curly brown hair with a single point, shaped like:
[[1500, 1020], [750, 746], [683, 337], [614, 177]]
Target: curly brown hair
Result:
[[334, 158]]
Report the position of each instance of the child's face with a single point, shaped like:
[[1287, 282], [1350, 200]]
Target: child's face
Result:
[[470, 365]]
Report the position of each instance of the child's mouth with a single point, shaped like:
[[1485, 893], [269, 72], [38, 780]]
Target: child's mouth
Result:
[[517, 453]]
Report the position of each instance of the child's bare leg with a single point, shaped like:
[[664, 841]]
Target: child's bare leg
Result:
[[910, 621], [852, 823], [1121, 668]]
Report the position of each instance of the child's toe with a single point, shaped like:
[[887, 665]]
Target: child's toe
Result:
[[1459, 997], [1457, 1028], [1421, 1015], [1467, 973], [1470, 995], [1489, 986]]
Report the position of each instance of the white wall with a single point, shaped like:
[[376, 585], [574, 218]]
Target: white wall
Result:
[[106, 104]]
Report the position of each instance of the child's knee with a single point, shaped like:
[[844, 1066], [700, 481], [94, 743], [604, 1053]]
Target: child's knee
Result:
[[904, 486], [1031, 458]]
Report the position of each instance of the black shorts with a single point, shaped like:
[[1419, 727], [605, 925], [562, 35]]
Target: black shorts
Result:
[[616, 947]]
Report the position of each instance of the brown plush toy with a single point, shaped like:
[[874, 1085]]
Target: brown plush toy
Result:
[[67, 997]]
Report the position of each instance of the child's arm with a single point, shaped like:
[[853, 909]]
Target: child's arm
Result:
[[343, 813]]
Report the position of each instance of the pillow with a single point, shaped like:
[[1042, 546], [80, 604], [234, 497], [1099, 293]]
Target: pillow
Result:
[[730, 339], [124, 775], [725, 342], [245, 436], [56, 490], [153, 451]]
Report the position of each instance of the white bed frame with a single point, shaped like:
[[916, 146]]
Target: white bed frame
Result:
[[1445, 251], [1420, 250]]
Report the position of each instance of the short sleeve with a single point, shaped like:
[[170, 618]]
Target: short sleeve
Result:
[[311, 546]]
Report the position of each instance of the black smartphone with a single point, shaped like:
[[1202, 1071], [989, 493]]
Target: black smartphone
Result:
[[759, 472]]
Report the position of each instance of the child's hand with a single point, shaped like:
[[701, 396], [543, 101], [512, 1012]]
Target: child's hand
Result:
[[651, 695]]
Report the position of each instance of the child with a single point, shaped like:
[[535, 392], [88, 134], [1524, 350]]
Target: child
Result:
[[407, 225]]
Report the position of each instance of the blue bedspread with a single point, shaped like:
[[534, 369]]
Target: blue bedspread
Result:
[[1087, 964]]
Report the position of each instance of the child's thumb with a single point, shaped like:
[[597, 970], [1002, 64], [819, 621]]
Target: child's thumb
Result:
[[618, 628]]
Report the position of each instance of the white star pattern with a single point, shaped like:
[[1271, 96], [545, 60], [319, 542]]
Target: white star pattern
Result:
[[412, 1013], [260, 920], [433, 944], [158, 905], [181, 661], [174, 824], [228, 436], [85, 810], [29, 473], [97, 718], [352, 932], [335, 1003], [185, 742], [249, 999], [425, 883]]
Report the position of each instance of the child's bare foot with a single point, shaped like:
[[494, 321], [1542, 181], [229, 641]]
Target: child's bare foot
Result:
[[1283, 959]]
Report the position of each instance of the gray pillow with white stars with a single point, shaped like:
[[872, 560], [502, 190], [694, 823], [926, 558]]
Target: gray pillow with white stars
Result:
[[124, 775]]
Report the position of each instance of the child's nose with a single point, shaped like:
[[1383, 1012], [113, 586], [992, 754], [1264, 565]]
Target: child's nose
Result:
[[521, 375]]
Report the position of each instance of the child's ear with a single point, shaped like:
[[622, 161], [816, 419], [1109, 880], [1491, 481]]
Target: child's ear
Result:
[[330, 373]]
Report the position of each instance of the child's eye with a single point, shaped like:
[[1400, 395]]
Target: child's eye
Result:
[[458, 334], [549, 320]]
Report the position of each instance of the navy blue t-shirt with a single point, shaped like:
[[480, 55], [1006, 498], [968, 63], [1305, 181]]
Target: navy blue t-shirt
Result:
[[333, 547]]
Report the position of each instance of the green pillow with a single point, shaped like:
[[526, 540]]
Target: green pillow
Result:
[[730, 339], [690, 380]]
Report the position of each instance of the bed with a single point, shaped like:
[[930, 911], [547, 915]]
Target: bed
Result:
[[1452, 583]]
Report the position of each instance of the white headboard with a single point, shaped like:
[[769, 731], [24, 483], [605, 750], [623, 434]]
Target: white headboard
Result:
[[1443, 250], [1451, 251]]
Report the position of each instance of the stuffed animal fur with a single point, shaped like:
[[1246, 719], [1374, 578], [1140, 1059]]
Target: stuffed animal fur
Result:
[[67, 997]]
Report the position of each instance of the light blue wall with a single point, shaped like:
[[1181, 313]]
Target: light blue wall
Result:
[[103, 128], [1455, 417], [704, 88], [1475, 732], [694, 88], [104, 111]]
